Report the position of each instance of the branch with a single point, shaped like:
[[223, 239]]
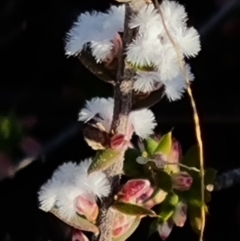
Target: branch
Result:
[[227, 180], [122, 108]]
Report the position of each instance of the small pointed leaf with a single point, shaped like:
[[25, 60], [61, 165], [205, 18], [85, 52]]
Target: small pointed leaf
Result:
[[168, 206], [165, 145], [104, 159], [77, 222], [191, 158], [132, 209], [129, 232], [150, 146], [163, 181]]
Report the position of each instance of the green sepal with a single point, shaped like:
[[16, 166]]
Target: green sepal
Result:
[[77, 222], [150, 146], [168, 206], [132, 209], [104, 159], [165, 145]]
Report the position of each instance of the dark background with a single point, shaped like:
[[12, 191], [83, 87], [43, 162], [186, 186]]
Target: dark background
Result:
[[37, 79]]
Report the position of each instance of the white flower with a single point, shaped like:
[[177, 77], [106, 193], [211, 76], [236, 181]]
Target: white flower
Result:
[[143, 122], [48, 194], [175, 88], [98, 29], [147, 81], [98, 106], [101, 110], [167, 63], [174, 14], [68, 182], [152, 46], [96, 182], [188, 41], [147, 19]]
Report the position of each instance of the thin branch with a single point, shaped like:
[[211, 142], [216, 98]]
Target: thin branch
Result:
[[122, 108]]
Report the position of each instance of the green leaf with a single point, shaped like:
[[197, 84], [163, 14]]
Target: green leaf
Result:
[[150, 146], [191, 158], [168, 206], [165, 145], [163, 181], [77, 222], [157, 198], [153, 227], [129, 232], [132, 209], [209, 176], [104, 159], [98, 69], [131, 168]]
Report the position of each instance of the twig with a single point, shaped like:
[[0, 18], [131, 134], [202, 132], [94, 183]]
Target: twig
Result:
[[122, 108]]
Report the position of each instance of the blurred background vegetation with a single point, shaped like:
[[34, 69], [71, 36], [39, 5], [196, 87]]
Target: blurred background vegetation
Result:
[[46, 90]]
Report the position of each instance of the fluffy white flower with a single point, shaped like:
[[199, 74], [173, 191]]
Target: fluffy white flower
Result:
[[66, 200], [175, 88], [152, 47], [48, 194], [174, 14], [65, 172], [68, 182], [143, 122], [98, 29], [101, 110], [144, 50], [188, 41], [167, 63], [147, 19], [147, 81], [96, 183]]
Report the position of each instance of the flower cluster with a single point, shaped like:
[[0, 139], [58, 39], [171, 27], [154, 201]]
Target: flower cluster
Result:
[[158, 174], [71, 190], [151, 52]]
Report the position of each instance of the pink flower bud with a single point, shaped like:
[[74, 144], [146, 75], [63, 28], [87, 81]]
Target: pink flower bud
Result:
[[117, 141], [133, 190], [122, 223], [87, 206], [145, 196], [78, 236], [180, 214], [182, 181], [165, 229]]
